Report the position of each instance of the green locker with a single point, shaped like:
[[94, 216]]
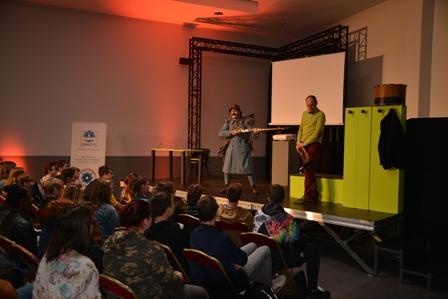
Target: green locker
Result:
[[386, 186], [357, 157]]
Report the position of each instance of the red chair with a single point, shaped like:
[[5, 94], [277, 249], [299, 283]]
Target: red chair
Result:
[[207, 261], [188, 220], [233, 230], [2, 199], [6, 244], [174, 261], [115, 287], [26, 257]]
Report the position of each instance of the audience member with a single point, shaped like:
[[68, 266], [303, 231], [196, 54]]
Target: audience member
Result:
[[231, 212], [193, 195], [139, 263], [165, 230], [53, 188], [15, 217], [5, 168], [69, 175], [126, 191], [65, 271], [106, 215], [105, 174], [242, 265], [141, 190], [275, 222], [51, 171]]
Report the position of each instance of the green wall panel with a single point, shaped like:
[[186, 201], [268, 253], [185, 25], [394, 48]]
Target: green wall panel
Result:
[[363, 158], [330, 189], [350, 157]]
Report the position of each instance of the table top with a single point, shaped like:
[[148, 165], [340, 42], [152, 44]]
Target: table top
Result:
[[180, 150]]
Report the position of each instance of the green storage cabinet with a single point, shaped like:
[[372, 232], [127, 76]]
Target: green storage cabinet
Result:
[[357, 157], [386, 186]]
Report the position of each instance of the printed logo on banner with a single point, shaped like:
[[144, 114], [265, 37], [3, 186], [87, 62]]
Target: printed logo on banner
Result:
[[87, 176], [88, 138]]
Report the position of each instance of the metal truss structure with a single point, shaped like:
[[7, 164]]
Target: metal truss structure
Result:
[[329, 41], [358, 39]]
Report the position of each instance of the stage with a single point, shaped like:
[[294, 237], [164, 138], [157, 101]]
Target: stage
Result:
[[356, 223]]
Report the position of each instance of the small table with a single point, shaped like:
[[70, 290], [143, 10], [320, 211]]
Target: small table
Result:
[[183, 152]]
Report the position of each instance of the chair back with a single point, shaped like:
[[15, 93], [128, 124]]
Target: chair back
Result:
[[233, 230], [29, 259], [207, 261], [174, 261], [261, 240], [188, 220], [6, 244], [115, 287], [2, 199]]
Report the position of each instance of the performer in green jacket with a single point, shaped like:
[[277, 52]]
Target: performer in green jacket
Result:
[[309, 140]]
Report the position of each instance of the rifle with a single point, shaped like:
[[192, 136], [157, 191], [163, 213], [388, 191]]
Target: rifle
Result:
[[223, 148]]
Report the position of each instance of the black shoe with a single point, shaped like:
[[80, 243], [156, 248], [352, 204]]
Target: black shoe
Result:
[[304, 199], [318, 293], [301, 169], [223, 191]]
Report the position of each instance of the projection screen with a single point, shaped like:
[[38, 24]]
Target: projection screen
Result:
[[293, 80]]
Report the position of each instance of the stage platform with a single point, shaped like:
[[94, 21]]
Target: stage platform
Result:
[[328, 215]]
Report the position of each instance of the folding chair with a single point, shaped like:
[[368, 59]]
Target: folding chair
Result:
[[188, 220], [174, 261], [233, 230], [260, 240], [207, 261], [115, 287]]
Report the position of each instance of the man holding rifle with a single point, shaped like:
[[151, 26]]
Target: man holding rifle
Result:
[[238, 157]]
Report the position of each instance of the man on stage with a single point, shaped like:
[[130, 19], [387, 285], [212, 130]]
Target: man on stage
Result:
[[309, 139], [238, 158]]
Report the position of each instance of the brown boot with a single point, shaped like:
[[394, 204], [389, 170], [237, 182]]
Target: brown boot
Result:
[[254, 190]]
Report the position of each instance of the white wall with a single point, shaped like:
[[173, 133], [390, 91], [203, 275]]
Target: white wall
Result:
[[60, 66], [439, 65], [394, 34]]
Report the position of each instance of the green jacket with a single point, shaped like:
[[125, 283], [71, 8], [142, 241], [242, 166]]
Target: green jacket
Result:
[[311, 127]]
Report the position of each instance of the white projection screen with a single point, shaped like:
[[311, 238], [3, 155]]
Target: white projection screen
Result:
[[293, 80]]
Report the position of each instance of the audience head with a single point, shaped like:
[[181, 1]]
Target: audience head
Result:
[[73, 192], [101, 193], [5, 168], [234, 192], [160, 204], [53, 188], [167, 187], [51, 169], [207, 208], [276, 194], [136, 214], [73, 232], [194, 194], [68, 175], [18, 199], [61, 164], [14, 175], [141, 187], [26, 181], [105, 173]]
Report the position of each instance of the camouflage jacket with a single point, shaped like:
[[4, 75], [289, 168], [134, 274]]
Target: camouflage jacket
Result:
[[139, 263]]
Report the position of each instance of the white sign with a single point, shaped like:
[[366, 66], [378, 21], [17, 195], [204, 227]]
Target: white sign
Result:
[[88, 151]]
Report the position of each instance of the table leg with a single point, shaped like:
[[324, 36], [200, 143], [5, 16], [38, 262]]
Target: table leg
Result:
[[171, 165], [182, 169], [153, 166]]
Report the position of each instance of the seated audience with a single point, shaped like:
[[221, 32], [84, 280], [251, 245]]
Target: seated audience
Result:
[[141, 190], [231, 212], [178, 203], [274, 221], [69, 175], [193, 195], [242, 265], [106, 215], [5, 169], [65, 271], [165, 230], [126, 191], [15, 217], [53, 189], [106, 175], [139, 263]]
